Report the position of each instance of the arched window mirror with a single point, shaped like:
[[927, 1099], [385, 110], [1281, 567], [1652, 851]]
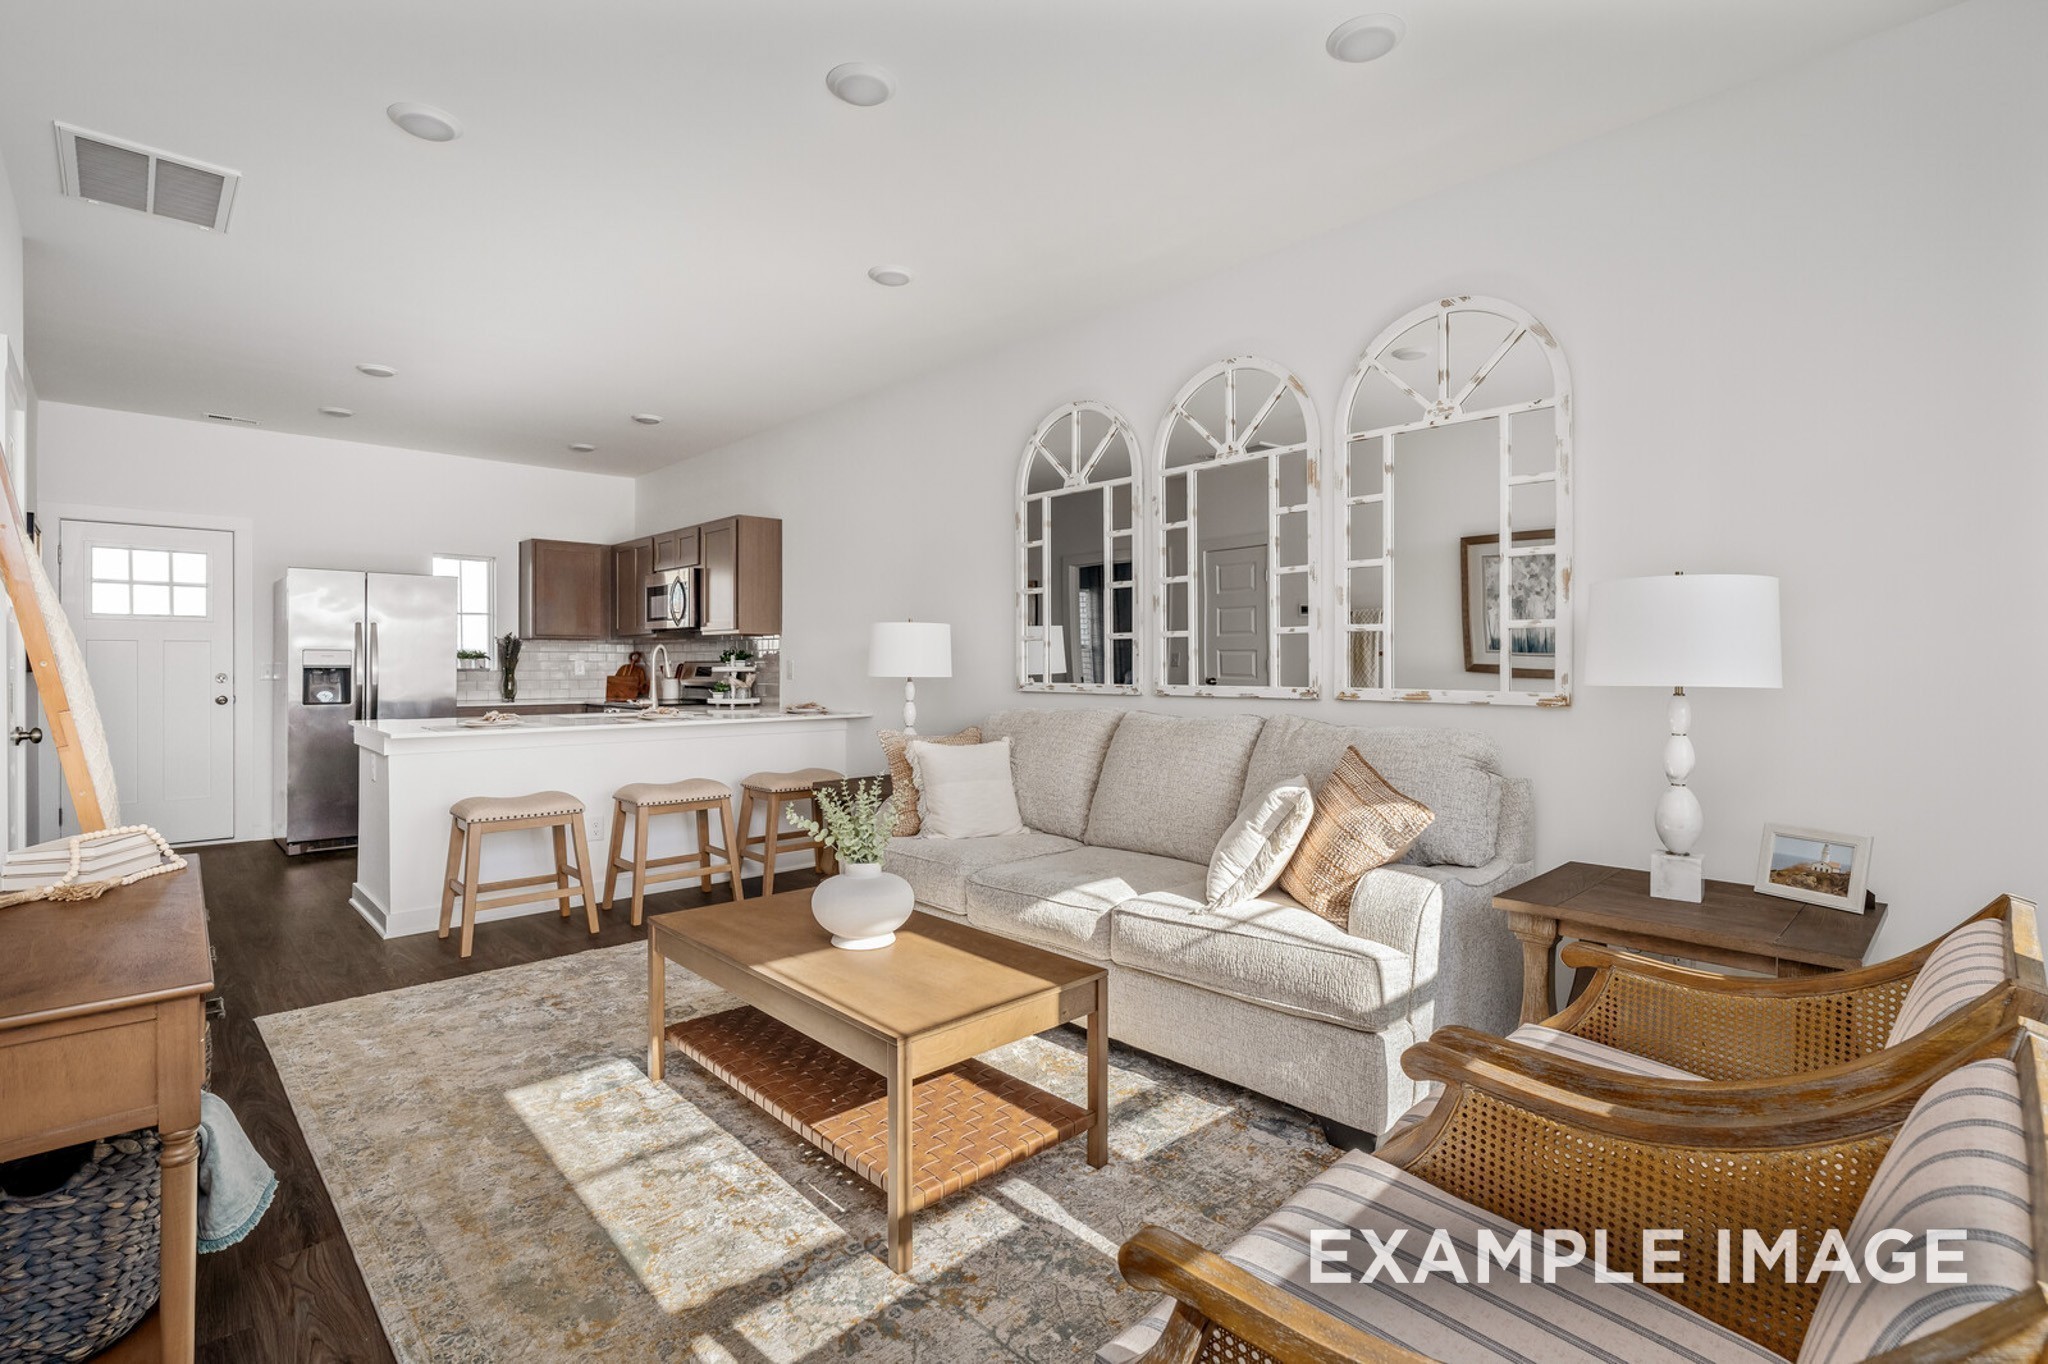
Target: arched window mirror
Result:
[[1456, 480], [1236, 514], [1078, 495]]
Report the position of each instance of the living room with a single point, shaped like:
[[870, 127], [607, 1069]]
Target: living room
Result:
[[1782, 261]]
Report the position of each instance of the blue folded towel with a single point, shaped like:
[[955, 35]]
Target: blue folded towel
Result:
[[235, 1185]]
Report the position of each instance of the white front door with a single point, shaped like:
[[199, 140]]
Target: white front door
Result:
[[154, 611], [1234, 617], [15, 682]]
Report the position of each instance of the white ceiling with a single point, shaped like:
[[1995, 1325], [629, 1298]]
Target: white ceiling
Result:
[[657, 207]]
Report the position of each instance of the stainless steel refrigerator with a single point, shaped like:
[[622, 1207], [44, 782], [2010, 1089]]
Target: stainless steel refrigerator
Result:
[[352, 646]]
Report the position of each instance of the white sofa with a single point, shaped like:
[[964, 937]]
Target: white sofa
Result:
[[1123, 809]]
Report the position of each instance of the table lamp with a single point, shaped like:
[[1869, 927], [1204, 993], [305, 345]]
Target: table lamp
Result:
[[1038, 660], [1678, 631], [910, 649]]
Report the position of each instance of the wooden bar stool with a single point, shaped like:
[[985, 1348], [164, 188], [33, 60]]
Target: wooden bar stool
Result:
[[780, 789], [480, 815], [644, 799]]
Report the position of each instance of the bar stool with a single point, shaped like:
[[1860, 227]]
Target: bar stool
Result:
[[780, 789], [644, 799], [480, 815]]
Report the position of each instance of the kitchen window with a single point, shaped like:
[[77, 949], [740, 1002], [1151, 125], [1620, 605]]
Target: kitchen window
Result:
[[472, 598]]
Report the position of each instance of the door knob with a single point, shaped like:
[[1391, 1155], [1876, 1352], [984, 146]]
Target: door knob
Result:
[[29, 736], [220, 700]]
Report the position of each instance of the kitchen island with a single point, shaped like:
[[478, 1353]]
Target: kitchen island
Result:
[[411, 771]]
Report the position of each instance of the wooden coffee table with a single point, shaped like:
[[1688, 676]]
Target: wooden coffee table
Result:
[[870, 1055]]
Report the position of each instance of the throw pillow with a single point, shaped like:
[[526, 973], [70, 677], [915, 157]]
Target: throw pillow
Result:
[[1254, 849], [900, 779], [965, 790], [1360, 823]]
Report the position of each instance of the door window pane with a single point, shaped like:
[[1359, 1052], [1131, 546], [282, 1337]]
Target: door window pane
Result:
[[152, 599], [110, 599], [188, 568], [150, 565], [109, 563], [188, 601]]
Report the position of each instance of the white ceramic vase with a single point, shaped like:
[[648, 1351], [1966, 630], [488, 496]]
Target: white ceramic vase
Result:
[[863, 906]]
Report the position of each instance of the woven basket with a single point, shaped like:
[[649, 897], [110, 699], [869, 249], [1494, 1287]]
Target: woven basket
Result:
[[79, 1265]]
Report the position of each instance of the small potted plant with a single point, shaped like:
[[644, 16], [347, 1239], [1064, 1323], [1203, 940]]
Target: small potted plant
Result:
[[471, 660], [863, 906], [739, 653]]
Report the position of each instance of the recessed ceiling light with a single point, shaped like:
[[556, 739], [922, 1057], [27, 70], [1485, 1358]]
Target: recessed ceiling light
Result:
[[424, 121], [583, 447], [890, 276], [1366, 38], [337, 411], [860, 83], [646, 419], [1409, 353], [376, 371]]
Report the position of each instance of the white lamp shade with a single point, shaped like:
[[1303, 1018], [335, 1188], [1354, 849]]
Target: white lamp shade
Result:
[[1684, 630], [1036, 637], [910, 648]]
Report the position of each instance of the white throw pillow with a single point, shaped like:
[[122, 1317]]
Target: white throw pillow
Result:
[[964, 790], [1254, 850]]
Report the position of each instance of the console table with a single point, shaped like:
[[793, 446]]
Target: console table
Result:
[[101, 1024], [1733, 926]]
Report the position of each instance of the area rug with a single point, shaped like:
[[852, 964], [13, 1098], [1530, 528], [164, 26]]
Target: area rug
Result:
[[516, 1188]]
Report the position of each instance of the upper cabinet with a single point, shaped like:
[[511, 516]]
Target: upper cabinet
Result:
[[632, 566], [740, 587], [676, 549], [565, 590]]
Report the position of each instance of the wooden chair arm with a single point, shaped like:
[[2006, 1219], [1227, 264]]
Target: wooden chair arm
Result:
[[1213, 1293], [1886, 1078]]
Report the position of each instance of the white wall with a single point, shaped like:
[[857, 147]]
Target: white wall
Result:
[[1804, 320], [10, 268], [308, 502]]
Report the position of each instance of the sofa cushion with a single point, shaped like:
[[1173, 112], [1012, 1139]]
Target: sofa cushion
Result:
[[1960, 969], [1057, 756], [1267, 951], [1063, 901], [1961, 1164], [938, 869], [894, 743], [965, 790], [1454, 772], [1360, 822], [1171, 783], [1254, 849], [1576, 1318]]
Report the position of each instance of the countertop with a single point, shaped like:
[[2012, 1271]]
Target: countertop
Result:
[[382, 736]]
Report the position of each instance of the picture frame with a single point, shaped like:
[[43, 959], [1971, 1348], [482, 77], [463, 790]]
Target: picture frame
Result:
[[1478, 597], [1807, 865]]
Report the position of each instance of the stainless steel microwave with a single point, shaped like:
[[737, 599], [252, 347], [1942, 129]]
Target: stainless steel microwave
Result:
[[672, 600]]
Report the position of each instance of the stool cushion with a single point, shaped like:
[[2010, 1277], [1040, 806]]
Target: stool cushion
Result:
[[672, 792], [539, 805], [788, 783]]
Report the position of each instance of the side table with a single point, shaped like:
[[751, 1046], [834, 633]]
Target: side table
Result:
[[1733, 926]]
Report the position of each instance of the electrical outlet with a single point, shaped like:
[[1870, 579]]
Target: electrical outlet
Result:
[[576, 667]]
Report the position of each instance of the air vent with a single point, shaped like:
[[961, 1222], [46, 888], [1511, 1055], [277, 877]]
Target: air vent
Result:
[[108, 170], [233, 421]]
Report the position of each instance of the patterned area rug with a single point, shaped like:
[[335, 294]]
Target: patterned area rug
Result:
[[515, 1188]]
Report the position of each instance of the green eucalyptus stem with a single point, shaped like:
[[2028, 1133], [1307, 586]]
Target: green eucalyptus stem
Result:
[[858, 827]]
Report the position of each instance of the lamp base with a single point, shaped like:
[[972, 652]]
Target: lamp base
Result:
[[1675, 876]]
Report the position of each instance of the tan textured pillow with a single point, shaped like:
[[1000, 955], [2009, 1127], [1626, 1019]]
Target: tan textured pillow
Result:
[[908, 818], [1360, 823]]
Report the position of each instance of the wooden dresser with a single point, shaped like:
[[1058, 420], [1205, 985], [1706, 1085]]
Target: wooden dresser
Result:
[[101, 1018]]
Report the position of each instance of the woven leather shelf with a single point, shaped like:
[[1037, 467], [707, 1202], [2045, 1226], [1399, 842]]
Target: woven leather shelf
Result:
[[968, 1121]]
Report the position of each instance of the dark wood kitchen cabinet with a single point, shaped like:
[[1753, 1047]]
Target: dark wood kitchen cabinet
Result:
[[675, 549], [632, 566], [565, 590], [741, 588]]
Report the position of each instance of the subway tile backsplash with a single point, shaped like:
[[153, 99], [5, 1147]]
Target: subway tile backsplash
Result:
[[547, 668]]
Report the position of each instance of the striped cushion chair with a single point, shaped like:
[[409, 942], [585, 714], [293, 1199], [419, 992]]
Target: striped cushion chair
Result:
[[1640, 1018], [1503, 1153]]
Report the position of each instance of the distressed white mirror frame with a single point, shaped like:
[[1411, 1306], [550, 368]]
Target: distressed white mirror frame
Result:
[[1076, 465], [1265, 387], [1444, 407]]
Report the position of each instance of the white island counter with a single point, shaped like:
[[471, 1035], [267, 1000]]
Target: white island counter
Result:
[[411, 771]]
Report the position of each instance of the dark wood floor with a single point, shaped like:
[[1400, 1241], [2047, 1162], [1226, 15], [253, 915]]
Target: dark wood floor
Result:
[[285, 938]]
